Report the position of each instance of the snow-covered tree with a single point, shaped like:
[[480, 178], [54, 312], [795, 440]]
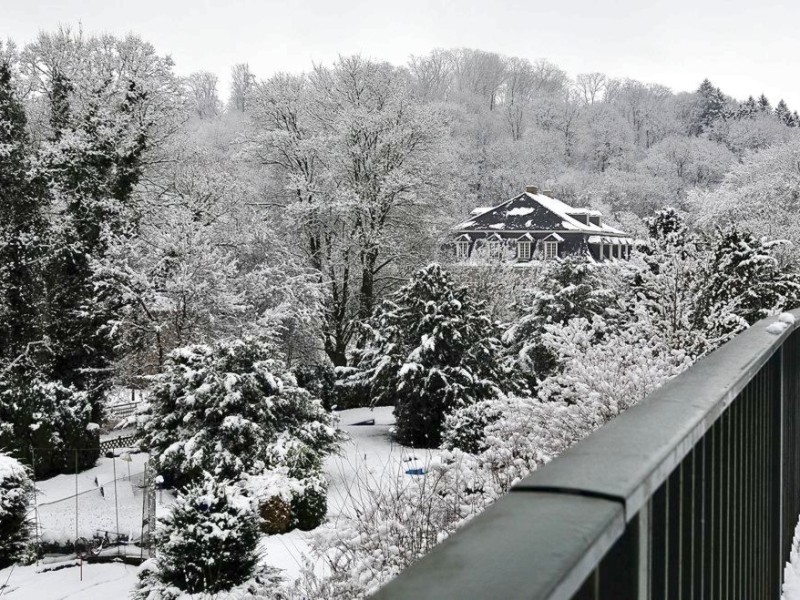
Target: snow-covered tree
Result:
[[23, 229], [16, 489], [232, 409], [208, 545], [428, 350], [564, 290], [357, 156]]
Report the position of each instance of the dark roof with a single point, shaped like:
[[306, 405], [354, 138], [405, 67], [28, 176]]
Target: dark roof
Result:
[[533, 212]]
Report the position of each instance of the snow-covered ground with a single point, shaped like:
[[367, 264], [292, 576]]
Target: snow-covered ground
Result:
[[370, 453], [96, 507]]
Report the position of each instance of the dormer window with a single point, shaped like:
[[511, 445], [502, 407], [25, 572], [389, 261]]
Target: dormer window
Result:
[[462, 249], [550, 250], [524, 250], [494, 248]]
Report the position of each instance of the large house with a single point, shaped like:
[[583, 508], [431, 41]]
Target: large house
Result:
[[534, 225]]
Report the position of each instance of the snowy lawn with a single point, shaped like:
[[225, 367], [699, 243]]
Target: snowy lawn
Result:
[[368, 454], [96, 508], [112, 581]]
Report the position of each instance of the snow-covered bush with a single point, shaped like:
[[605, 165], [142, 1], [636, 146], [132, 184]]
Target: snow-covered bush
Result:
[[15, 492], [464, 428], [390, 521], [287, 502], [428, 350], [49, 417], [231, 409], [207, 544], [564, 289]]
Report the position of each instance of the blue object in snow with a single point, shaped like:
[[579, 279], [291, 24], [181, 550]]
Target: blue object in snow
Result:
[[415, 471]]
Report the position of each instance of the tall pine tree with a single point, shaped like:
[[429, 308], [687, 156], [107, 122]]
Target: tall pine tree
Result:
[[428, 350]]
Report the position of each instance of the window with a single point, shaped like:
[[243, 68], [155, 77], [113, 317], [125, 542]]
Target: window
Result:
[[462, 249], [550, 250], [523, 250], [494, 249]]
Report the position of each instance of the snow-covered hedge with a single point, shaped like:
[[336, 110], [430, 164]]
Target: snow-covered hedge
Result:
[[15, 491]]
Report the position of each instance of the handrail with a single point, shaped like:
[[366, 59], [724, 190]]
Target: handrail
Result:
[[643, 506]]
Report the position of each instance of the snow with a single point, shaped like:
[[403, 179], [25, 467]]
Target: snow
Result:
[[783, 322], [55, 498], [369, 453], [520, 211], [44, 582], [791, 571], [497, 226]]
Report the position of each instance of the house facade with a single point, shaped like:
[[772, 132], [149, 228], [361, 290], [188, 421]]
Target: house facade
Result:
[[535, 226]]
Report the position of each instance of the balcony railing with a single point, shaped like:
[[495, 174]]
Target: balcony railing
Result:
[[693, 493]]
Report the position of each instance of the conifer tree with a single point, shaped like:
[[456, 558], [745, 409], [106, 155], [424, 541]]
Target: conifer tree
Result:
[[22, 229], [206, 544], [15, 494], [764, 104], [783, 113], [429, 350], [711, 107]]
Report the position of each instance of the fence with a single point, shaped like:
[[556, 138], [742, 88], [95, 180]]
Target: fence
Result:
[[113, 500], [694, 493]]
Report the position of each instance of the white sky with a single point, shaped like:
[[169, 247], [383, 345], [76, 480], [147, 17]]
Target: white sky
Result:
[[744, 46]]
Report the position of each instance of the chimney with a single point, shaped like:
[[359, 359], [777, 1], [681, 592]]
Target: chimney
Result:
[[531, 189], [548, 193]]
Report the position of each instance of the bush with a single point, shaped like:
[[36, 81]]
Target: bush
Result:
[[207, 544], [287, 502], [15, 492], [310, 504], [230, 409], [50, 417], [465, 428]]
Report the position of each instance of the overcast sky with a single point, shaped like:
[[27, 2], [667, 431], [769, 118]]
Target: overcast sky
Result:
[[744, 47]]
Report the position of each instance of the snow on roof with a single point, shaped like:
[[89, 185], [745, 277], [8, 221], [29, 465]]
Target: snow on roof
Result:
[[480, 210], [556, 215], [522, 210], [554, 236]]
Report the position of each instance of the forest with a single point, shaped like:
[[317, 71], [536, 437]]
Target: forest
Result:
[[256, 263]]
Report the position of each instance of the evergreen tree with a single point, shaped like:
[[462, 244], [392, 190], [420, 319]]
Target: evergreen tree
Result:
[[92, 162], [206, 544], [567, 289], [232, 410], [783, 113], [429, 350], [748, 109], [15, 495], [711, 107], [764, 105], [22, 230]]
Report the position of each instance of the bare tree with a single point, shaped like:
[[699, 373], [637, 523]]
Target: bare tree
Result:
[[203, 88], [242, 85], [591, 86]]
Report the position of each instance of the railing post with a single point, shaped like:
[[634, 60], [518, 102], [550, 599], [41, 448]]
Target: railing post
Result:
[[644, 553], [781, 459]]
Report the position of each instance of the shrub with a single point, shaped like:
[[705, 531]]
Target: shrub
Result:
[[50, 417], [15, 491], [465, 428], [208, 543], [230, 409]]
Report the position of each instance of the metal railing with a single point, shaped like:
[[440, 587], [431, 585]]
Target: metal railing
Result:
[[693, 493]]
